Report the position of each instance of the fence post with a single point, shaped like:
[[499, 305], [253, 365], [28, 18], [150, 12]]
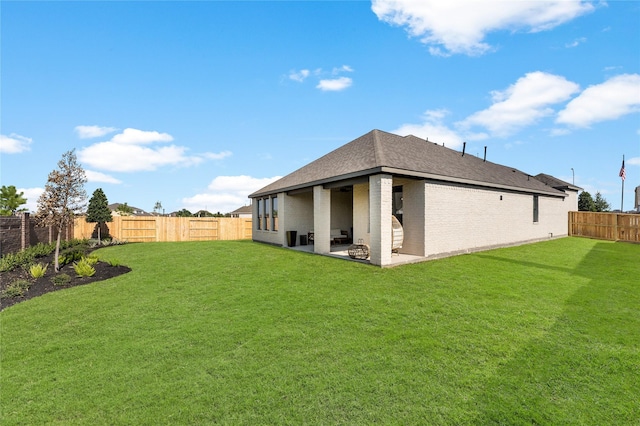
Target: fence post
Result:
[[24, 230]]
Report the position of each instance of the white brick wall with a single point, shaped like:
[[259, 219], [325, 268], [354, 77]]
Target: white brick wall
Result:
[[460, 219], [413, 206], [361, 213], [437, 218], [322, 219], [380, 207], [295, 213]]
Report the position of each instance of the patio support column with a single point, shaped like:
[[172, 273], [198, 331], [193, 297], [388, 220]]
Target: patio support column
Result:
[[321, 219], [380, 197], [284, 211]]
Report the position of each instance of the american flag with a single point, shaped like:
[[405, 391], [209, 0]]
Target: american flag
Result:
[[623, 173]]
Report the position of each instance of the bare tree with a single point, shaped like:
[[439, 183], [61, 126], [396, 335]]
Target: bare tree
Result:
[[63, 197]]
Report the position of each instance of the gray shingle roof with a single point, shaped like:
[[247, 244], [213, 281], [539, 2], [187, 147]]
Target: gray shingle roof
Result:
[[382, 152], [555, 182], [243, 209]]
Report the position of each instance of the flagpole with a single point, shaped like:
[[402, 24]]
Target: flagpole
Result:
[[622, 176]]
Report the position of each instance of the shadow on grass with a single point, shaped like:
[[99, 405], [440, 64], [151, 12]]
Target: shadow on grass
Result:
[[584, 370]]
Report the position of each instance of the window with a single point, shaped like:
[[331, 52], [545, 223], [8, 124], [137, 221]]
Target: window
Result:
[[274, 213], [260, 211], [267, 213], [535, 209]]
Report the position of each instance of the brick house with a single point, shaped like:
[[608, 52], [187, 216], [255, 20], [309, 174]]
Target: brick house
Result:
[[243, 212], [446, 201]]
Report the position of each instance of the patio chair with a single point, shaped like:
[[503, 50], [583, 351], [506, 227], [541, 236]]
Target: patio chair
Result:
[[397, 235]]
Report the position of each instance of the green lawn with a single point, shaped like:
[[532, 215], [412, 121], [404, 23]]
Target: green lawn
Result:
[[244, 333]]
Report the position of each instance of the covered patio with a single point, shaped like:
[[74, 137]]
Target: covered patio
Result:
[[340, 251]]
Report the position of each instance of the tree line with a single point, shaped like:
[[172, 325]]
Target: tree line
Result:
[[586, 203]]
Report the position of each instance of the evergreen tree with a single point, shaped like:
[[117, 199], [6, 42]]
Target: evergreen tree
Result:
[[601, 204], [63, 197], [184, 213], [10, 201], [586, 203], [98, 210]]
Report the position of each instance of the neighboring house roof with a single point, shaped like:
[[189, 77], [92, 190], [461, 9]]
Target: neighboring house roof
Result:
[[382, 152], [243, 209]]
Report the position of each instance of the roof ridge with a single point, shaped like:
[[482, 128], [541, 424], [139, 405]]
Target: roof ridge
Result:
[[377, 148]]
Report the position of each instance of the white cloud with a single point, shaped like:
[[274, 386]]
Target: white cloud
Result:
[[32, 195], [299, 76], [135, 137], [88, 132], [334, 85], [522, 103], [93, 176], [217, 156], [226, 193], [635, 161], [576, 42], [432, 129], [14, 144], [460, 26], [118, 157], [344, 68], [610, 100], [124, 153]]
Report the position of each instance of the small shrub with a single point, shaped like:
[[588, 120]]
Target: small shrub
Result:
[[41, 249], [61, 279], [15, 289], [11, 261], [84, 268], [69, 256], [76, 243], [92, 259], [37, 270], [24, 258]]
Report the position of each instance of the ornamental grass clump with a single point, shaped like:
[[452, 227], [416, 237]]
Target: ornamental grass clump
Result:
[[84, 268], [61, 279], [37, 270], [16, 288]]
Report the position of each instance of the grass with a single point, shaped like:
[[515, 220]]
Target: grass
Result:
[[244, 333]]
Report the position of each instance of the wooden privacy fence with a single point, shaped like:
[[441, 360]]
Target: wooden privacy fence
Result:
[[164, 228], [605, 226]]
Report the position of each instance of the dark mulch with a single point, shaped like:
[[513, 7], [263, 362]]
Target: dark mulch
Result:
[[40, 286]]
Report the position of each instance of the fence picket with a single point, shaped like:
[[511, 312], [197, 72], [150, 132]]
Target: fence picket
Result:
[[163, 228], [605, 226]]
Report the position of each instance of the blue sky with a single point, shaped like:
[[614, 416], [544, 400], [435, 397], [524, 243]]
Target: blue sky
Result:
[[198, 104]]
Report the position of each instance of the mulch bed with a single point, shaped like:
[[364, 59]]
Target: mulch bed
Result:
[[40, 286]]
